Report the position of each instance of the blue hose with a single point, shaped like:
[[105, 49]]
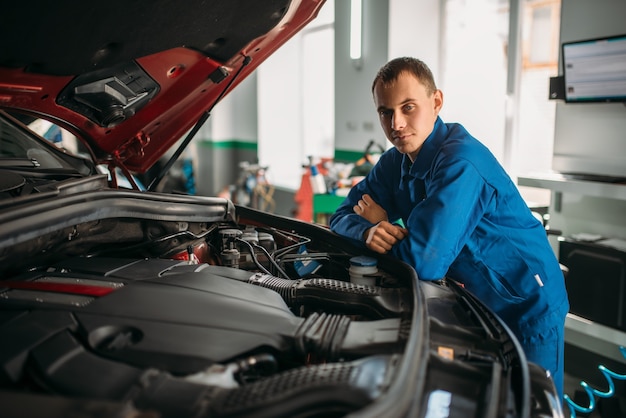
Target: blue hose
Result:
[[595, 393]]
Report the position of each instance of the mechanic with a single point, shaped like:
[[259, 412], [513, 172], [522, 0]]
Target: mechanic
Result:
[[440, 201]]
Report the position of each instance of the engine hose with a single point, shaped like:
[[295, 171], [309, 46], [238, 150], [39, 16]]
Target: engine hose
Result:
[[284, 287], [595, 393], [322, 334], [344, 296]]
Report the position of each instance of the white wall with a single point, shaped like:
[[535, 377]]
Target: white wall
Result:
[[414, 31], [235, 117], [279, 118], [473, 72], [295, 108], [356, 122]]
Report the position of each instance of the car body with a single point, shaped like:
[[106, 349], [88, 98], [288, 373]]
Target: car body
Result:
[[124, 302]]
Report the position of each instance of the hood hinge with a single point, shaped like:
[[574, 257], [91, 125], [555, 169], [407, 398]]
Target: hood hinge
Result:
[[134, 147]]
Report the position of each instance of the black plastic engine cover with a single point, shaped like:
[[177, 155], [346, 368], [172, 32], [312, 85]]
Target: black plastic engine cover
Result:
[[181, 322]]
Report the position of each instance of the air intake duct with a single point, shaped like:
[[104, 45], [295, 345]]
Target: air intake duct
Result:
[[345, 297]]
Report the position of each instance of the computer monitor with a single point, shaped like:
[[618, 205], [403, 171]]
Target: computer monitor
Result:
[[594, 70]]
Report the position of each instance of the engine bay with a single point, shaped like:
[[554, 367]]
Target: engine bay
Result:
[[243, 317]]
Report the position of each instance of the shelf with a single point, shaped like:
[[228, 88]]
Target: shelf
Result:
[[566, 184], [595, 337], [589, 335]]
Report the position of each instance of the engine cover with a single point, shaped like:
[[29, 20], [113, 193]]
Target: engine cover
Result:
[[155, 313]]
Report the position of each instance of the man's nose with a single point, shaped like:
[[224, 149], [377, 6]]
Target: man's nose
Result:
[[398, 121]]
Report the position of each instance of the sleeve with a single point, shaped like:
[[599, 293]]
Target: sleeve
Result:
[[378, 184], [457, 197]]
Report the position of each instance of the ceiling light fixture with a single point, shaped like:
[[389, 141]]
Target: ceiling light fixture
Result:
[[356, 30]]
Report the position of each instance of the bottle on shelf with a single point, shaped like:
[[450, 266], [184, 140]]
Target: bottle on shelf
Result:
[[317, 181]]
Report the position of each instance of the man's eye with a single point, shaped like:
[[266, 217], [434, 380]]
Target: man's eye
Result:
[[384, 113], [409, 107]]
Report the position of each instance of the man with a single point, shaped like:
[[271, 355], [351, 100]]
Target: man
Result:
[[464, 217]]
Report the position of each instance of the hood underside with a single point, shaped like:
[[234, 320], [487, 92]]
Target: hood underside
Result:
[[131, 78]]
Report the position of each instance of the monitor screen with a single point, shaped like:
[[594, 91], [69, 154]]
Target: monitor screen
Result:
[[594, 70]]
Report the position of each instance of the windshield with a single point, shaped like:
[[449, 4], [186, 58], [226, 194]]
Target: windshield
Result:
[[19, 150], [25, 151]]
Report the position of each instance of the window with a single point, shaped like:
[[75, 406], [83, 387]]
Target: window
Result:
[[296, 102], [532, 151], [474, 80], [474, 68]]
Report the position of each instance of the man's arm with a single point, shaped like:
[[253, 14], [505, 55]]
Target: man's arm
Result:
[[370, 210], [359, 212], [383, 236]]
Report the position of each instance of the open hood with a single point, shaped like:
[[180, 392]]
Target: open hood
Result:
[[130, 78]]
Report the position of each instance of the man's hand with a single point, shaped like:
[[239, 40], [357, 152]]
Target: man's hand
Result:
[[370, 210], [382, 236]]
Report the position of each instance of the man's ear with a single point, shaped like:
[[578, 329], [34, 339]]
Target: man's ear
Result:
[[438, 97]]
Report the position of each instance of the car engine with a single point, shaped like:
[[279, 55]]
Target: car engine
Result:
[[149, 310]]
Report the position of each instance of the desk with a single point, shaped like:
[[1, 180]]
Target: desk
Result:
[[325, 205]]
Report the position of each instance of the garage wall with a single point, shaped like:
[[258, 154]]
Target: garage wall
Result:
[[228, 138], [356, 122], [414, 30]]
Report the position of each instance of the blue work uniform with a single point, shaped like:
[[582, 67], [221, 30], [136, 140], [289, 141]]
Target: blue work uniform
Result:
[[467, 221]]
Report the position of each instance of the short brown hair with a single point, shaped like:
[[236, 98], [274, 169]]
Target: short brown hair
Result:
[[390, 72]]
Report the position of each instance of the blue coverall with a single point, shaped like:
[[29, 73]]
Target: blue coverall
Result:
[[467, 221]]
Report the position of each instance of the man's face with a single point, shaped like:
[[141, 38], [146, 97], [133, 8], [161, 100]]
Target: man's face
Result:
[[407, 112]]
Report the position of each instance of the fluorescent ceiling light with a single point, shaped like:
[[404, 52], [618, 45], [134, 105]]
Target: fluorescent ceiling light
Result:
[[356, 12]]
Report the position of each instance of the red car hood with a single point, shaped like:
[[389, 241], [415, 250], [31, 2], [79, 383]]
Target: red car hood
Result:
[[131, 77]]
